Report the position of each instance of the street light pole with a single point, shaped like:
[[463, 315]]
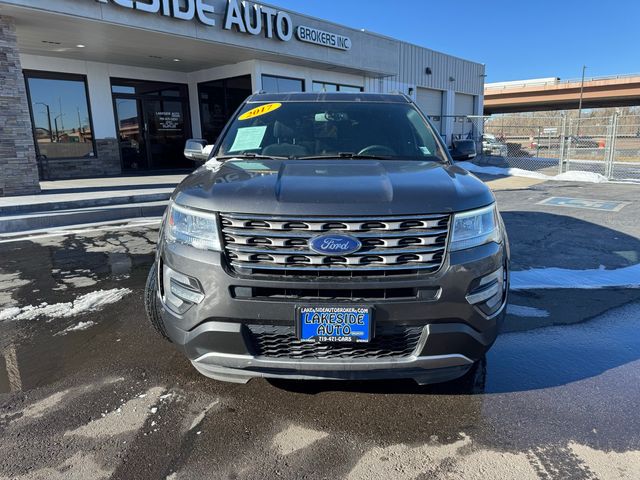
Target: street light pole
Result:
[[584, 67], [48, 118], [56, 122]]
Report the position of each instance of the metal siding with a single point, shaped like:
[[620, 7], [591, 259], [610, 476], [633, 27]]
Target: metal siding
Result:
[[413, 61]]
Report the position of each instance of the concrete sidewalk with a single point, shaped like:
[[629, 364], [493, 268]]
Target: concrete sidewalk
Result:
[[72, 202]]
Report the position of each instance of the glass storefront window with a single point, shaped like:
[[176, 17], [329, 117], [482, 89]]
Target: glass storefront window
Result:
[[349, 89], [60, 113], [218, 100], [323, 87], [141, 87], [326, 87], [272, 84]]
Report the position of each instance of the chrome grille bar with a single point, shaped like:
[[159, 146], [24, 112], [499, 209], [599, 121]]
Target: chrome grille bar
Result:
[[260, 242]]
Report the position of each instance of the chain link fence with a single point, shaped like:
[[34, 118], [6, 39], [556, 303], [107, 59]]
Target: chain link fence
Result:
[[608, 145]]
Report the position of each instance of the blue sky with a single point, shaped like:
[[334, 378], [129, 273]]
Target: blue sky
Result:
[[516, 40]]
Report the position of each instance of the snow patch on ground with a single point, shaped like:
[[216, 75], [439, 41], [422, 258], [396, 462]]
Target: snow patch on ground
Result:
[[78, 327], [627, 277], [572, 176], [85, 303], [522, 311]]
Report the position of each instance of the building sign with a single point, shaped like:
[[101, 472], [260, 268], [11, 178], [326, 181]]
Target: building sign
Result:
[[255, 19], [241, 16], [171, 8], [320, 37]]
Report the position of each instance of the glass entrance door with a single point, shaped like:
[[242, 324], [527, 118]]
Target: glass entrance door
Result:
[[164, 122], [133, 149], [153, 124]]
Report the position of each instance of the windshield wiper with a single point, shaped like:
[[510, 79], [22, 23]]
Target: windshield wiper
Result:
[[346, 155], [253, 156]]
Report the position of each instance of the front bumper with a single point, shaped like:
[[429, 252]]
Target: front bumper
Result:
[[216, 337]]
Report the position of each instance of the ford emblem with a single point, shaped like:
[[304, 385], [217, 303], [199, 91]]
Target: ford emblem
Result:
[[335, 244]]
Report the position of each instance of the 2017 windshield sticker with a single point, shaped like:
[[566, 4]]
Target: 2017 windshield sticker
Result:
[[261, 110]]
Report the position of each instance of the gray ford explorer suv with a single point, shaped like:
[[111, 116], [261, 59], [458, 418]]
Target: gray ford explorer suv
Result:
[[330, 236]]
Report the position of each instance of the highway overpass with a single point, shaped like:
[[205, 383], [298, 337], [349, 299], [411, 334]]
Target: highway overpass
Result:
[[556, 94]]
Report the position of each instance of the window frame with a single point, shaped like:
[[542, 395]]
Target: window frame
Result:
[[49, 75], [337, 85], [304, 86], [351, 86]]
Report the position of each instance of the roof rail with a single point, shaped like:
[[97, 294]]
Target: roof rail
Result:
[[398, 92]]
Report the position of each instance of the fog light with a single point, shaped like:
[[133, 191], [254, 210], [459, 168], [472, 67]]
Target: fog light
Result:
[[185, 293], [484, 294], [181, 292], [488, 295]]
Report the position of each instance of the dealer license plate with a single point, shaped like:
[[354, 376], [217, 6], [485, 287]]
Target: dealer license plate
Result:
[[334, 324]]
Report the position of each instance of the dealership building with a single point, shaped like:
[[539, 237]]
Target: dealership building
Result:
[[94, 88]]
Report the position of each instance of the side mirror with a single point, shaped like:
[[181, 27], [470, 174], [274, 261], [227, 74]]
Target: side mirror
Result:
[[460, 157], [462, 150], [197, 149]]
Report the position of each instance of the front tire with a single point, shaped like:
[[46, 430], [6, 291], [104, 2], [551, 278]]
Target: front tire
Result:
[[152, 304]]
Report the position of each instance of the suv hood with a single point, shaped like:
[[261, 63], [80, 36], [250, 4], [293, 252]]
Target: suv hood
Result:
[[345, 187]]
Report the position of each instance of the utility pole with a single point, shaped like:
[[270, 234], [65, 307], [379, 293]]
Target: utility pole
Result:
[[584, 67]]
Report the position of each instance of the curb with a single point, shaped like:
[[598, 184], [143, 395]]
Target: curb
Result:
[[13, 210], [64, 218]]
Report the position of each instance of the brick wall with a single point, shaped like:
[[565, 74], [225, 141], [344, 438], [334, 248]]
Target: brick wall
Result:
[[105, 162], [18, 168]]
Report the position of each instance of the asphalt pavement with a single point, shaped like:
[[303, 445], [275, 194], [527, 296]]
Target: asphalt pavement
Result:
[[88, 390]]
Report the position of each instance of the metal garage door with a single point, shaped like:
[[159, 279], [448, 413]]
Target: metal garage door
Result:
[[462, 126], [430, 102]]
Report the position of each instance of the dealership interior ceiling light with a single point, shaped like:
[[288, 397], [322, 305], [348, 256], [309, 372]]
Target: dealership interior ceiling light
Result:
[[80, 45], [177, 60]]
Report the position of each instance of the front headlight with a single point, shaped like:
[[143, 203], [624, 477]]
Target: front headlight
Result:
[[475, 227], [192, 227]]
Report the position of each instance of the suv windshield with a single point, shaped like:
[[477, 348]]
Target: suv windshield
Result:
[[304, 130]]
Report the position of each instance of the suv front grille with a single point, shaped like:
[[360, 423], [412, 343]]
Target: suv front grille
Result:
[[264, 244], [275, 341]]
